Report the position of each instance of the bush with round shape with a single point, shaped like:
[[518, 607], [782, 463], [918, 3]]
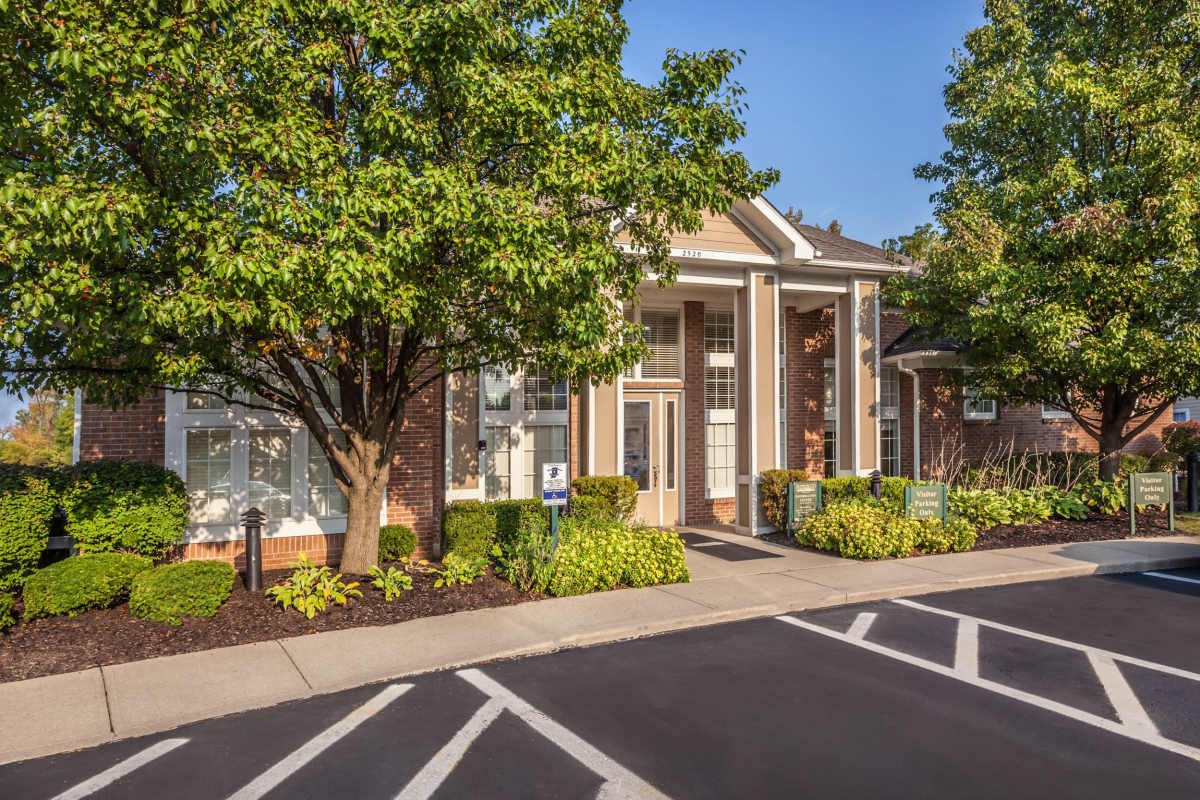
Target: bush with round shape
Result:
[[28, 496], [125, 506], [870, 530], [170, 592], [468, 528], [7, 617], [599, 554], [396, 542], [617, 493], [79, 583]]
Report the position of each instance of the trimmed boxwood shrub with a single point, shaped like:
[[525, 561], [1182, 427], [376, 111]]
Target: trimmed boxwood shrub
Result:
[[586, 506], [869, 530], [469, 529], [76, 584], [518, 517], [396, 542], [7, 618], [838, 490], [172, 591], [125, 506], [28, 496], [772, 492], [602, 554], [616, 493]]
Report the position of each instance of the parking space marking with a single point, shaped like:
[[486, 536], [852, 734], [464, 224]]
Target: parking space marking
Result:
[[319, 743], [1129, 709], [1135, 731], [966, 648], [619, 783], [1170, 577], [438, 768], [862, 623], [1041, 637], [120, 770]]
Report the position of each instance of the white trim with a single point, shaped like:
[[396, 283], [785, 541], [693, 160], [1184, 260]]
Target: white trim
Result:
[[465, 494], [977, 416], [759, 235], [1187, 414], [447, 436], [76, 426], [797, 248], [856, 383], [823, 284], [661, 486], [591, 428], [857, 265], [1049, 412], [620, 386], [719, 256], [878, 465], [775, 358], [752, 394], [481, 465]]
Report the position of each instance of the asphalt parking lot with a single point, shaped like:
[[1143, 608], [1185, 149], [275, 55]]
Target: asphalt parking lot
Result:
[[1087, 687]]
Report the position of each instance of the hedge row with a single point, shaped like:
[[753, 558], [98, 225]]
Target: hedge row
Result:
[[170, 592], [79, 583], [868, 530], [772, 491]]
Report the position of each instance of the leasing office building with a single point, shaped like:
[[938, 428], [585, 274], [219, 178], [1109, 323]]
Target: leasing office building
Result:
[[770, 350]]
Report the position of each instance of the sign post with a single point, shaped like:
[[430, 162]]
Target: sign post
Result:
[[554, 493], [803, 500], [1151, 489], [926, 501]]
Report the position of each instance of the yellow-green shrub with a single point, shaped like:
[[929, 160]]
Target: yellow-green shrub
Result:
[[75, 584], [615, 495], [170, 592], [772, 492], [602, 554], [868, 530], [27, 500]]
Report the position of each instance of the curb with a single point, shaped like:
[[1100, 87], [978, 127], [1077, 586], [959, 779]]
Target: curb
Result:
[[27, 700]]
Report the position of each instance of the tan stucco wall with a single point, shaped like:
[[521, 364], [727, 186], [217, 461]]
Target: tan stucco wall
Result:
[[605, 415], [868, 370], [845, 385], [721, 232], [464, 431], [766, 387]]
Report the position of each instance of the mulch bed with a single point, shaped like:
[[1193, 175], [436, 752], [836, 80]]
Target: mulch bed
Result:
[[114, 636]]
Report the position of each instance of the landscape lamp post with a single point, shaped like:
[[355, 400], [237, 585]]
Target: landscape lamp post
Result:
[[253, 520]]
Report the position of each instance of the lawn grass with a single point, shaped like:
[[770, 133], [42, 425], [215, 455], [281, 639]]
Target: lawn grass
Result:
[[1188, 523]]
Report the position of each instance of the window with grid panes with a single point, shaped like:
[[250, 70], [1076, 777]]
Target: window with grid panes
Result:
[[208, 460], [661, 331], [720, 402], [325, 498], [543, 394], [270, 471]]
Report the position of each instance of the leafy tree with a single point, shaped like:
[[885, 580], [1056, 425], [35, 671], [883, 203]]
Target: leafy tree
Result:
[[42, 432], [794, 215], [834, 227], [1070, 202], [916, 245], [288, 202]]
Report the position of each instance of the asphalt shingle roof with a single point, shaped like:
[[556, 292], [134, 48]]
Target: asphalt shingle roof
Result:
[[840, 248], [914, 340]]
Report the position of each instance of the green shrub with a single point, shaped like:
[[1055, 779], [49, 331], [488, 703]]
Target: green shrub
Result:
[[618, 493], [392, 583], [602, 554], [841, 490], [857, 529], [125, 506], [7, 618], [1063, 504], [983, 508], [1134, 462], [28, 497], [1107, 497], [459, 569], [1180, 438], [77, 584], [310, 589], [526, 560], [468, 528], [585, 506], [396, 542], [170, 592], [516, 518], [772, 493]]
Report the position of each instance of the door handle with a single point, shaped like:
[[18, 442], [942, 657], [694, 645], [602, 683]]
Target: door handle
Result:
[[655, 473]]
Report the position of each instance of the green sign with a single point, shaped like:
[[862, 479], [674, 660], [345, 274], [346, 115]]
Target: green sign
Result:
[[927, 501], [803, 500], [1151, 489]]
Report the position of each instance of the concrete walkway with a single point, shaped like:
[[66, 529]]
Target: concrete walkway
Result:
[[733, 578]]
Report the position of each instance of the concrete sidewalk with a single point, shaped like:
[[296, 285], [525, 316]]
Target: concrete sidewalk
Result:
[[733, 578]]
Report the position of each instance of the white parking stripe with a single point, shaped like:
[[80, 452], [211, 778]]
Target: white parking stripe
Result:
[[1041, 637], [999, 688], [1124, 701], [966, 649], [621, 783], [1172, 577], [316, 745], [120, 770], [426, 782], [862, 623]]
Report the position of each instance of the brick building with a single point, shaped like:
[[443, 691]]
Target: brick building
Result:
[[771, 349]]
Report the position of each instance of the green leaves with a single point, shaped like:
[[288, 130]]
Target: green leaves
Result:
[[310, 589]]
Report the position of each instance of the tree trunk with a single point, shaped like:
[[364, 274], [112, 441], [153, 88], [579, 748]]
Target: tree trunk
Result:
[[1111, 442], [361, 550]]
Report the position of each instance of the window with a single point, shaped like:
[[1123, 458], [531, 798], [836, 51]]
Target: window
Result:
[[830, 375], [889, 445], [497, 388], [270, 475], [720, 402], [976, 407], [543, 444], [542, 394], [830, 448], [637, 444], [208, 459], [199, 401], [669, 444], [889, 393], [720, 452], [497, 463], [1048, 412], [325, 499], [1182, 415], [662, 337]]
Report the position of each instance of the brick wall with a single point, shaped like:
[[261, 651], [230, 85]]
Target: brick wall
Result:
[[416, 486], [136, 432], [277, 551], [810, 338], [697, 509]]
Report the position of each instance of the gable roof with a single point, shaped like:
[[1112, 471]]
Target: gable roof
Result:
[[836, 247]]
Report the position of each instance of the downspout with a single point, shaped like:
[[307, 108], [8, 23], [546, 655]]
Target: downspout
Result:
[[916, 418]]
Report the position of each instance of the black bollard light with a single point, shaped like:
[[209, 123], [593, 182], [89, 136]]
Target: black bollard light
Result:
[[253, 520], [876, 484], [1193, 490]]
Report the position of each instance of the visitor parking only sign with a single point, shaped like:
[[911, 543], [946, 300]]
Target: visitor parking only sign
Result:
[[554, 484]]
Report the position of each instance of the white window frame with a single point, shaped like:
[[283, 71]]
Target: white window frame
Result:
[[721, 416], [516, 419], [1049, 412], [1186, 412], [239, 420], [634, 373], [978, 416]]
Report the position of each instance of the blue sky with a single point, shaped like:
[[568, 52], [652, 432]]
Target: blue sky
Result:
[[845, 97]]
